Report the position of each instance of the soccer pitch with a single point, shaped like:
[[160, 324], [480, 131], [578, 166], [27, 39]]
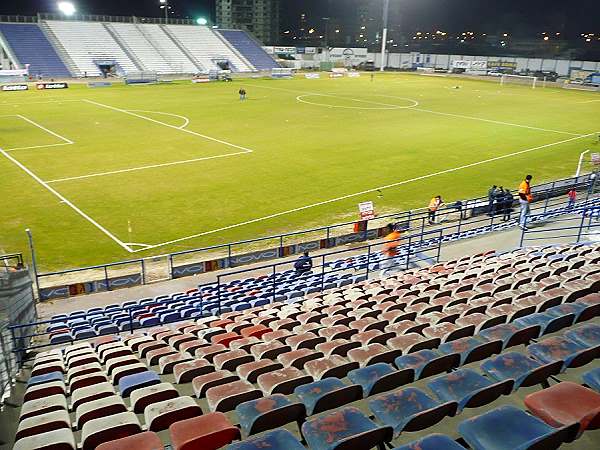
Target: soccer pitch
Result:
[[102, 175]]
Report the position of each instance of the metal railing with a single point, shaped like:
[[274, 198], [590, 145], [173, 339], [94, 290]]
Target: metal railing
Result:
[[12, 260], [471, 214], [580, 224], [94, 18]]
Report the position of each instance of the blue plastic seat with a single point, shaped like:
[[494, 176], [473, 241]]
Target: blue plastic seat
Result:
[[380, 377], [510, 334], [410, 409], [510, 428], [130, 383], [61, 338], [565, 309], [433, 442], [469, 388], [347, 428], [471, 348], [274, 440], [326, 394], [268, 413], [46, 378], [571, 353], [588, 335], [427, 362], [519, 367], [548, 323], [592, 379]]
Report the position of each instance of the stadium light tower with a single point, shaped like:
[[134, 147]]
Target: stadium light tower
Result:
[[67, 8], [386, 13], [164, 4]]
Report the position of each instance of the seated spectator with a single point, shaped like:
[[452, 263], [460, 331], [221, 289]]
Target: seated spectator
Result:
[[303, 264]]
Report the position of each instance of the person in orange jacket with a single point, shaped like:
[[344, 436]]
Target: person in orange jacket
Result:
[[525, 199], [435, 204], [390, 247]]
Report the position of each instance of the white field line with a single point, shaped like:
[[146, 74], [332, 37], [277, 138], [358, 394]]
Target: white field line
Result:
[[186, 121], [239, 147], [62, 138], [496, 122], [65, 200], [588, 101], [39, 103], [368, 191], [460, 116], [38, 146], [153, 166], [387, 106]]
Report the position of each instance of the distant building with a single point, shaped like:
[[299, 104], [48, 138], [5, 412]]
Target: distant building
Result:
[[259, 17]]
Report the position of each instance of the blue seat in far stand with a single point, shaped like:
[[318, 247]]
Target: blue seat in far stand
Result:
[[469, 388], [346, 429], [433, 442], [510, 428], [274, 440], [410, 409], [130, 383]]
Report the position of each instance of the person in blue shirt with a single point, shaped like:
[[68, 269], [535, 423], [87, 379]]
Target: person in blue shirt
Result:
[[303, 264]]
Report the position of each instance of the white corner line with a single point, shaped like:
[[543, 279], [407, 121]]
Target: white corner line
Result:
[[153, 166], [185, 130], [65, 200], [62, 138], [368, 191]]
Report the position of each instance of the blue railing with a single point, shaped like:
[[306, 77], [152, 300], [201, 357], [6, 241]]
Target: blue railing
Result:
[[578, 224]]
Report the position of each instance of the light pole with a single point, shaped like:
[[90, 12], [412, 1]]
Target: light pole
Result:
[[326, 20], [164, 4], [386, 11]]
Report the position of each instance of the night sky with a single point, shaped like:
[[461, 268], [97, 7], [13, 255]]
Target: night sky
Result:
[[521, 16]]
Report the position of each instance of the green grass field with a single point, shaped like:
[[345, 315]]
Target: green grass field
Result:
[[94, 172]]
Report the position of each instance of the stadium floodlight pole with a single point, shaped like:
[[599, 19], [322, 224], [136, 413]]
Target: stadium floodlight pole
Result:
[[580, 163], [386, 11], [165, 6]]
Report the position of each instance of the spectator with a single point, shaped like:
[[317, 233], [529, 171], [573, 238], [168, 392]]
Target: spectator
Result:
[[434, 205], [303, 264], [572, 194], [390, 248], [591, 183], [491, 197], [525, 199], [508, 205]]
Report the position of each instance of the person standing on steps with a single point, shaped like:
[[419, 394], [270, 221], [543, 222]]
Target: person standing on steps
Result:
[[525, 199]]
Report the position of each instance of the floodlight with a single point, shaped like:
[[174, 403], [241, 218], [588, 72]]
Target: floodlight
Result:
[[201, 21], [67, 8]]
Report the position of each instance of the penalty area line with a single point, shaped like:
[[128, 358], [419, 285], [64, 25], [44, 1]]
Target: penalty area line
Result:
[[65, 200], [184, 130], [152, 166], [368, 191]]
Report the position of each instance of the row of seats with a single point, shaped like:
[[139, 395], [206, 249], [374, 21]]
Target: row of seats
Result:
[[93, 397], [255, 362]]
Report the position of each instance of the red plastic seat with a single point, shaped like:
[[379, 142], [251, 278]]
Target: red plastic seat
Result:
[[147, 440], [566, 403], [208, 432]]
